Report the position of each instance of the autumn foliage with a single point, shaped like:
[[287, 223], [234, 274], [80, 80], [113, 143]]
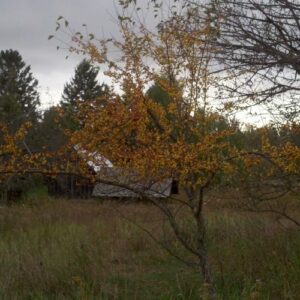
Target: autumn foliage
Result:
[[181, 140]]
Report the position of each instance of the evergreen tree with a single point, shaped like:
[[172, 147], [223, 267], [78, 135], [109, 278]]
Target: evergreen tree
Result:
[[19, 100], [19, 97], [10, 111], [159, 95], [50, 131], [83, 86]]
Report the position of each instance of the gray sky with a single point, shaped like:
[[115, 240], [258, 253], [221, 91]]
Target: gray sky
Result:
[[26, 24]]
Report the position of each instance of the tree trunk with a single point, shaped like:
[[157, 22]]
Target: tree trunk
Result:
[[208, 291], [208, 286]]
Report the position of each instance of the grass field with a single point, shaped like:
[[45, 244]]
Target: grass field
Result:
[[86, 250]]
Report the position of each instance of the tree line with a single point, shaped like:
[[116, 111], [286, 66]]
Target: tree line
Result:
[[20, 103]]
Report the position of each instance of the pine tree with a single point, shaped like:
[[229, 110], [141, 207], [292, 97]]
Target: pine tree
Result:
[[159, 95], [83, 86], [19, 101], [19, 97], [10, 111]]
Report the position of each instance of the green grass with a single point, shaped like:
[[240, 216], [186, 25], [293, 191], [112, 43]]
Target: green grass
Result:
[[85, 250]]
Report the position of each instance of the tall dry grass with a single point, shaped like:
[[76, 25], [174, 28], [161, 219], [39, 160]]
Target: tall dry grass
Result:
[[87, 250]]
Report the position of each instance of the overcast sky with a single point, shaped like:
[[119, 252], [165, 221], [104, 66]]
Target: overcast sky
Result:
[[26, 24]]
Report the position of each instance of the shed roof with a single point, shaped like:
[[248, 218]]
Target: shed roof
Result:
[[145, 186]]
